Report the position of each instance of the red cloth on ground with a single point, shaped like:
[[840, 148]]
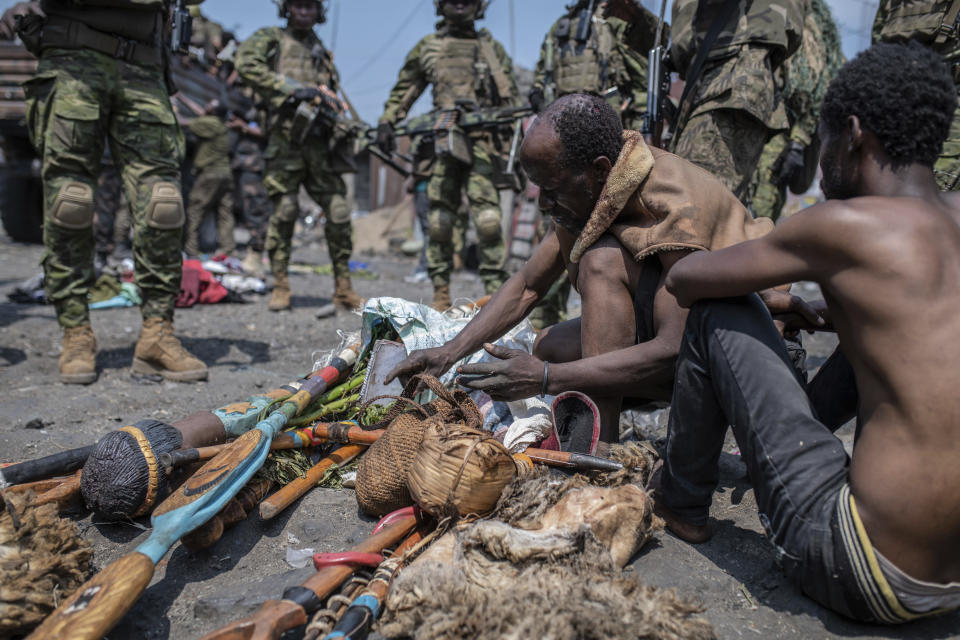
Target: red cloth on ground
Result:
[[198, 286]]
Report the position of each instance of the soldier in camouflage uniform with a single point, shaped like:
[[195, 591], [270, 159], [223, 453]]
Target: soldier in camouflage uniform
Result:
[[933, 23], [733, 105], [101, 77], [213, 182], [605, 65], [248, 168], [288, 66], [806, 75], [461, 63]]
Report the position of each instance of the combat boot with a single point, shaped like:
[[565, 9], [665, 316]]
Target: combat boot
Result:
[[344, 297], [280, 297], [253, 263], [158, 352], [441, 297], [79, 356]]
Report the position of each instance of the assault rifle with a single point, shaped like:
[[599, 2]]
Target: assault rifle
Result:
[[181, 28], [447, 126], [658, 86]]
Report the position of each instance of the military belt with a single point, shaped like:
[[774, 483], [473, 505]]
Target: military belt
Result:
[[70, 34]]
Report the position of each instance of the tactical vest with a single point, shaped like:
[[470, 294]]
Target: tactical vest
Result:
[[931, 22], [140, 20], [582, 67], [464, 69], [305, 61]]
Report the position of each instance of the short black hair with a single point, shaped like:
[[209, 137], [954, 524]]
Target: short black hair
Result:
[[587, 126], [902, 93]]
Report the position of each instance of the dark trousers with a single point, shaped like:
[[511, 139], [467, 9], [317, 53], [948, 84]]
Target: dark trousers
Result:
[[733, 369]]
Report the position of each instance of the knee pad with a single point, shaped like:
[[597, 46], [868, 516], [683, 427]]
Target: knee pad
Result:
[[165, 208], [73, 207], [488, 224], [338, 210], [287, 208], [441, 225]]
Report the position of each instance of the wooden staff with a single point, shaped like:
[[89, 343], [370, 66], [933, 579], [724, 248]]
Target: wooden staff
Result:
[[289, 494], [298, 603], [98, 605]]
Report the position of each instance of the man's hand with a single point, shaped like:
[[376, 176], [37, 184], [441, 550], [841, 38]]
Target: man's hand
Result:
[[9, 20], [386, 139], [793, 313], [517, 375], [791, 163], [435, 362]]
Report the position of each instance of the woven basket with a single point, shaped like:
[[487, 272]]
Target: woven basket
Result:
[[459, 471], [381, 484]]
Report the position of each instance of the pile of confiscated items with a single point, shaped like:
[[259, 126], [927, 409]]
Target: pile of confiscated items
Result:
[[477, 540]]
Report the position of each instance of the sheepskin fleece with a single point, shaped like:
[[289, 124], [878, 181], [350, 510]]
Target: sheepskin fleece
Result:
[[547, 564], [42, 562]]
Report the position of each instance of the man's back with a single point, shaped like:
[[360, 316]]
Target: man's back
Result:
[[892, 291]]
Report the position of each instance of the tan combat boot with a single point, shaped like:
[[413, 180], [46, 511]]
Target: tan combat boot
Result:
[[280, 297], [78, 360], [159, 352], [441, 297], [253, 263], [344, 297]]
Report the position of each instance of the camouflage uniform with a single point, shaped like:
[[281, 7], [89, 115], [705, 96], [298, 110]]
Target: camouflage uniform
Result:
[[248, 167], [276, 62], [932, 23], [735, 106], [213, 183], [806, 75], [606, 62], [79, 98], [457, 63]]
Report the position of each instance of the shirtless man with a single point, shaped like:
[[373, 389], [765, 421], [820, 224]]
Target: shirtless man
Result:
[[876, 538], [625, 214]]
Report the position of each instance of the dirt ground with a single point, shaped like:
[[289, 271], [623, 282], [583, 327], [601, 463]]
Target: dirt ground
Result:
[[247, 348]]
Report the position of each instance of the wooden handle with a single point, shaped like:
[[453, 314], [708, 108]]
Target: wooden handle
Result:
[[286, 496], [100, 602], [64, 493], [275, 617]]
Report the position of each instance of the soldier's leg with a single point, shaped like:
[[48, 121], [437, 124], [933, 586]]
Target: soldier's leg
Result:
[[725, 142], [330, 192], [225, 220], [485, 209], [285, 171], [202, 198], [947, 166], [64, 119], [148, 147], [444, 191], [256, 208], [766, 197]]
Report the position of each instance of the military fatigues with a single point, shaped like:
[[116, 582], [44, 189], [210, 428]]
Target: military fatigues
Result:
[[735, 105], [275, 62], [932, 23], [248, 167], [213, 183], [461, 64], [806, 75], [605, 62], [80, 97]]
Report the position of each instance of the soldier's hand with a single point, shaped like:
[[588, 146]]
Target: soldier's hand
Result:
[[9, 20], [306, 94], [386, 139], [791, 163], [536, 99]]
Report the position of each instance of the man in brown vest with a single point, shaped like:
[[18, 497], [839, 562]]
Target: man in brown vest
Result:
[[625, 214]]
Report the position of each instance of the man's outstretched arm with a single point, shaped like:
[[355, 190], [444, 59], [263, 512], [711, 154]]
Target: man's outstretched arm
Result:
[[508, 306], [804, 247]]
